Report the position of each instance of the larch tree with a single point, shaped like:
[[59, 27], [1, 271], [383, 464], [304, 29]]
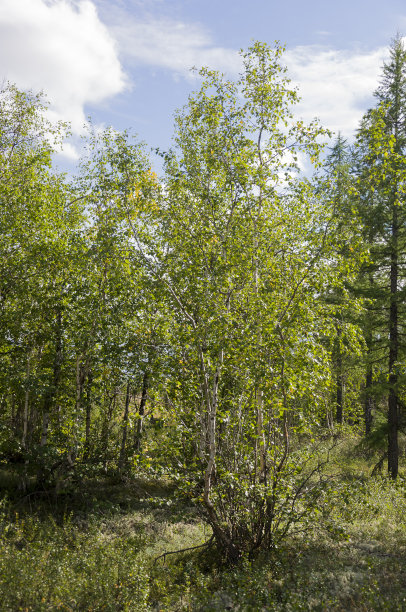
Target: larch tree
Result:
[[382, 175]]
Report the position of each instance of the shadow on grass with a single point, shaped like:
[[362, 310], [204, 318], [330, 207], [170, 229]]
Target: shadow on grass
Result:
[[97, 497]]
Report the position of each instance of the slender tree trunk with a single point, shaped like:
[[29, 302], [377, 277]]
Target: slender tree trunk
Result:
[[339, 379], [78, 395], [26, 406], [106, 428], [203, 431], [260, 435], [32, 421], [18, 416], [44, 429], [12, 413], [80, 376], [86, 450], [260, 439], [141, 412], [56, 374], [221, 532], [211, 397], [368, 401], [393, 417], [124, 428]]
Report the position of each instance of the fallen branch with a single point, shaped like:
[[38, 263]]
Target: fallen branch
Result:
[[181, 550]]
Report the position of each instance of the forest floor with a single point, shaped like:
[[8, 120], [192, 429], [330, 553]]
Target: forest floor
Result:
[[95, 548]]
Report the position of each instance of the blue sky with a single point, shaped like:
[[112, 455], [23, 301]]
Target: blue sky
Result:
[[127, 62]]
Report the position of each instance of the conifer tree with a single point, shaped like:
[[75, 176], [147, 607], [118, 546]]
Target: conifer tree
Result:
[[337, 167], [337, 190], [382, 172]]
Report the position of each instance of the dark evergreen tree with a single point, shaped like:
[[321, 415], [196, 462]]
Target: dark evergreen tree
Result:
[[381, 178], [337, 187]]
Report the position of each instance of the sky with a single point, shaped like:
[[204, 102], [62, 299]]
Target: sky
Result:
[[126, 63]]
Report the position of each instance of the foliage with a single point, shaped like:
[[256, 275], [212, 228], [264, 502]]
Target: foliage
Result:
[[221, 327], [241, 248]]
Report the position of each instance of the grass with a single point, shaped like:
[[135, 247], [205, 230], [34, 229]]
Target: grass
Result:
[[94, 548]]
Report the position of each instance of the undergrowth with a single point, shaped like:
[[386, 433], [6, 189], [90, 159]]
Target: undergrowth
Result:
[[99, 547]]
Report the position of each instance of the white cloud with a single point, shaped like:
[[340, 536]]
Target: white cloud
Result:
[[336, 86], [170, 44], [323, 33], [61, 47], [66, 49]]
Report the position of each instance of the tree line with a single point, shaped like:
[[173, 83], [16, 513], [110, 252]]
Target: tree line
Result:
[[211, 323]]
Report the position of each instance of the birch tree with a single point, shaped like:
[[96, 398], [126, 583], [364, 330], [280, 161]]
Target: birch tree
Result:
[[240, 251]]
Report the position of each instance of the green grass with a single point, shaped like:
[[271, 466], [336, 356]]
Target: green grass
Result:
[[95, 546]]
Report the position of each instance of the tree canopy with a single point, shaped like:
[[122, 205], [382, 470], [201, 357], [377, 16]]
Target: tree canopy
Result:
[[210, 323]]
